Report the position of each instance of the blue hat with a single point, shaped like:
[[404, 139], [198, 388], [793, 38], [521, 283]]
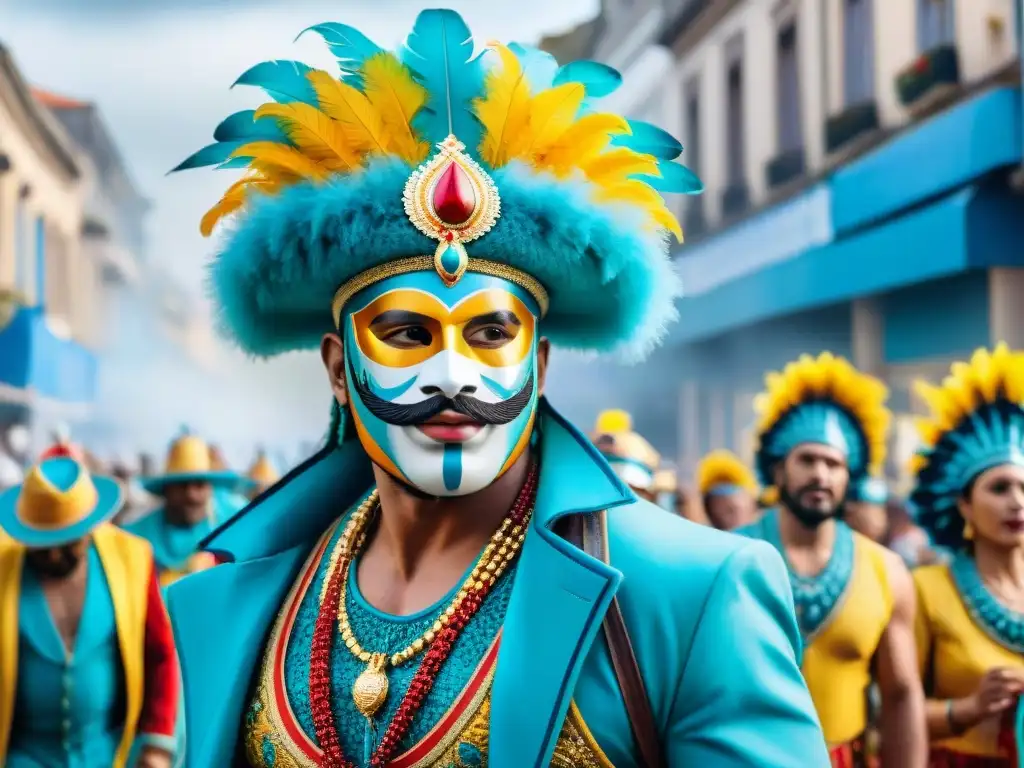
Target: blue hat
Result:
[[59, 502], [869, 490], [976, 424], [437, 158], [188, 461], [823, 400]]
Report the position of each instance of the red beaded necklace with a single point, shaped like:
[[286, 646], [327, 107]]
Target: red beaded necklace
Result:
[[320, 675]]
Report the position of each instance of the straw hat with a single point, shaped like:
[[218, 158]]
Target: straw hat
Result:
[[189, 461]]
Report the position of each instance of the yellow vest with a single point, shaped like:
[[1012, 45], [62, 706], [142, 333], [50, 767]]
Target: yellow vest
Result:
[[127, 561], [837, 662], [955, 653]]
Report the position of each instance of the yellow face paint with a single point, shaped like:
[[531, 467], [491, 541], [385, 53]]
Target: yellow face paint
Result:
[[439, 328]]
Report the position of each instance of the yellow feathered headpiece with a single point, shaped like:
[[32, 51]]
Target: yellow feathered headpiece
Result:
[[614, 436], [822, 400], [724, 470], [507, 151], [976, 422]]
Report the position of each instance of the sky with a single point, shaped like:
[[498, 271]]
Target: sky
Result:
[[161, 73]]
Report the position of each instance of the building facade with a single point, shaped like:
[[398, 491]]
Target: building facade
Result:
[[47, 369], [859, 159]]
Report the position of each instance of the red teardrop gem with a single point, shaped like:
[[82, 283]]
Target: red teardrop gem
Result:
[[454, 200]]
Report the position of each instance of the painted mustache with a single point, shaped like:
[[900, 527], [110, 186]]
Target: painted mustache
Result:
[[414, 414]]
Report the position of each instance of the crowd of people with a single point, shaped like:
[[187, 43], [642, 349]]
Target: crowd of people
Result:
[[460, 577]]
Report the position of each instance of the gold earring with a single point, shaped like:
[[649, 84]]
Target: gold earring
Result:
[[968, 531]]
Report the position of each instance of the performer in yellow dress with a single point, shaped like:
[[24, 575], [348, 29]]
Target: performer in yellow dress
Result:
[[728, 489], [634, 459], [969, 496], [822, 425]]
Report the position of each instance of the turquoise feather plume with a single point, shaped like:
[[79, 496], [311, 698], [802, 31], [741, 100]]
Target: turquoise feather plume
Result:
[[243, 125], [540, 67], [284, 81], [649, 139], [350, 47], [235, 162], [674, 178], [212, 154], [599, 80], [439, 51]]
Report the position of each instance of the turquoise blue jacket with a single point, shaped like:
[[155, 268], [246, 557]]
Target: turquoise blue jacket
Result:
[[710, 615]]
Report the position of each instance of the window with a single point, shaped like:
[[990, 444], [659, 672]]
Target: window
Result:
[[39, 262], [735, 161], [788, 79], [858, 52], [935, 24], [692, 150]]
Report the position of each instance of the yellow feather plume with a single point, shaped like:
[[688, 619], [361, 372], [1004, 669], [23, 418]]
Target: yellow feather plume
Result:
[[552, 113], [647, 199], [580, 143], [988, 377], [504, 111], [724, 468], [361, 124], [236, 197], [314, 134], [282, 159], [617, 165], [391, 90], [827, 376]]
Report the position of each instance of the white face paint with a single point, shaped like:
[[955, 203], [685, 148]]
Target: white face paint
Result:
[[443, 381]]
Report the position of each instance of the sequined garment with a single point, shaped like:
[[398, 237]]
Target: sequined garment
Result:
[[275, 736]]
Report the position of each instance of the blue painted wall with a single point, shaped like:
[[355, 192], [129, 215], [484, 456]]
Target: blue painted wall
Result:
[[941, 318]]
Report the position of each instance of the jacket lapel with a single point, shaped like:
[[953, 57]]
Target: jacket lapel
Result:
[[557, 605], [220, 618]]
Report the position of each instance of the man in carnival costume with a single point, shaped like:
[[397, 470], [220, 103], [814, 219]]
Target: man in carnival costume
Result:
[[427, 221], [634, 459], [822, 425], [88, 674], [728, 490], [196, 498]]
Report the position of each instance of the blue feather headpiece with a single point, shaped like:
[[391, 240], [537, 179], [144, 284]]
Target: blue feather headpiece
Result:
[[823, 400], [436, 157], [976, 423], [870, 490]]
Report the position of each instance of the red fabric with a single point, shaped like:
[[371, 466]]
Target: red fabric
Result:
[[852, 755], [941, 758], [160, 700]]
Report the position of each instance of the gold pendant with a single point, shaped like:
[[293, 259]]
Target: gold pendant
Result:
[[371, 687]]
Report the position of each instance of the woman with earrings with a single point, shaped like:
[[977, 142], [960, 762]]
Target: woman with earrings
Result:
[[969, 496]]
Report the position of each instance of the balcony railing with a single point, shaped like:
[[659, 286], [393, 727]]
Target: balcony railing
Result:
[[850, 124], [785, 167], [930, 72], [735, 199]]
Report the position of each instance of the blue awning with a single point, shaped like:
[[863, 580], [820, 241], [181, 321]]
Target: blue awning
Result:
[[971, 228], [33, 359]]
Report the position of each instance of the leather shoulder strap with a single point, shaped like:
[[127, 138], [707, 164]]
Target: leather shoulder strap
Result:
[[589, 534]]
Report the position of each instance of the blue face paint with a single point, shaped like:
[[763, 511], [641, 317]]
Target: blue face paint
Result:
[[419, 353]]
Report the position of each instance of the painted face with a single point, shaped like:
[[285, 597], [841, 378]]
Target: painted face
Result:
[[443, 381]]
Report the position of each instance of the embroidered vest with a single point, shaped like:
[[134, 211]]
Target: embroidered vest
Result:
[[274, 738], [126, 562]]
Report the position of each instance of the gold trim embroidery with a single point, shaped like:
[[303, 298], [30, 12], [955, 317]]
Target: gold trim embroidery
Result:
[[409, 264]]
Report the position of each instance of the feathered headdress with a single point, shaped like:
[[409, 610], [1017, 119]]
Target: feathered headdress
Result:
[[976, 423], [722, 472], [511, 155], [631, 456], [822, 400]]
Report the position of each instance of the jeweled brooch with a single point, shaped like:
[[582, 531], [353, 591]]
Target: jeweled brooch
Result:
[[451, 199]]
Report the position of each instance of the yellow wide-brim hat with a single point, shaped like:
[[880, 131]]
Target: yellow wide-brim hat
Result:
[[263, 473], [189, 461], [58, 503]]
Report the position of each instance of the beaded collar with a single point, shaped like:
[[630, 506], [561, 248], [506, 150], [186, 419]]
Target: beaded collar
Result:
[[1001, 624], [816, 597]]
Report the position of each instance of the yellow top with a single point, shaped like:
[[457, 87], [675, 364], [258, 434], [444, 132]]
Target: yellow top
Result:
[[954, 653], [837, 663], [127, 562]]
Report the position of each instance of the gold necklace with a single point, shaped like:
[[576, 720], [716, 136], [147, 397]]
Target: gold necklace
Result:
[[370, 689]]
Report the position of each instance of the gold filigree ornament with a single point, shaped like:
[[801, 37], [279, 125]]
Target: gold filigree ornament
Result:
[[451, 199], [371, 687]]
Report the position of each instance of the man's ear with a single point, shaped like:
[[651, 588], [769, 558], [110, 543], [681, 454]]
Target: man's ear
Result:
[[543, 351], [332, 352]]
